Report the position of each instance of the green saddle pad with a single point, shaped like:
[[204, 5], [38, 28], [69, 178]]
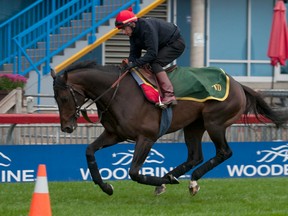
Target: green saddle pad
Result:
[[200, 84]]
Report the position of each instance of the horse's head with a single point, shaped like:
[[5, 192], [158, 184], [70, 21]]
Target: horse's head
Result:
[[69, 98]]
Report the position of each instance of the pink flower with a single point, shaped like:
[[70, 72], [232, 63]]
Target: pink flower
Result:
[[12, 81]]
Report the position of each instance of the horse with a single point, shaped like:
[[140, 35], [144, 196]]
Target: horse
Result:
[[126, 115]]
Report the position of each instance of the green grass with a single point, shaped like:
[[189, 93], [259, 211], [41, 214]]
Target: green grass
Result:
[[258, 196]]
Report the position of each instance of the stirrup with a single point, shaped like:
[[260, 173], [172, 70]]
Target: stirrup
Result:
[[163, 105], [160, 104]]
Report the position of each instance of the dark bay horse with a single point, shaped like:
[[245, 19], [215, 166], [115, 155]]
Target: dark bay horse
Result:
[[127, 115]]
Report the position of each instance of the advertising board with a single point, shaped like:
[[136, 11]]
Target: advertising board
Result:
[[18, 163]]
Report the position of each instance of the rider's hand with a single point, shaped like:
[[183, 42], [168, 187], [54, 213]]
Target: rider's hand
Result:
[[130, 65], [125, 62], [127, 65]]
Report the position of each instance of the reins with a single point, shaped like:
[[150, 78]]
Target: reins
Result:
[[84, 110]]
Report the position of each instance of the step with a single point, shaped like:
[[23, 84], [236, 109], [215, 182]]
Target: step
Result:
[[7, 67], [100, 13], [115, 2], [75, 30], [81, 23], [42, 46], [60, 38]]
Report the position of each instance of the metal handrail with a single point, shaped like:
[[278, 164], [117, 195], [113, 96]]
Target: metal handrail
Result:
[[19, 22], [52, 24]]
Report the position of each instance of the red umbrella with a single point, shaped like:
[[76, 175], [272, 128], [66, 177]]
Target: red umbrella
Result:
[[278, 44]]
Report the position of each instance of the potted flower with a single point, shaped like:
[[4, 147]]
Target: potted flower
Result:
[[8, 82]]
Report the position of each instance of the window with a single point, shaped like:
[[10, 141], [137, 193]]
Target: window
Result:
[[238, 37]]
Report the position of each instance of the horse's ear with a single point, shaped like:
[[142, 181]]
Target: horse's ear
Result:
[[53, 73], [65, 76]]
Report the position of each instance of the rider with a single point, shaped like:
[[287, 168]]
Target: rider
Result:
[[161, 40]]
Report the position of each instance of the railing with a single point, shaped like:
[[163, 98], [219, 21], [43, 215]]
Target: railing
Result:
[[12, 101], [21, 21], [280, 94], [53, 33], [45, 129]]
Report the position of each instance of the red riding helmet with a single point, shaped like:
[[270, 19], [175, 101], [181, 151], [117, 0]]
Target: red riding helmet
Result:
[[124, 18]]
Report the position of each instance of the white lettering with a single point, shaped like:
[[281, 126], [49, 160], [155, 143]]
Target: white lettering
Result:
[[235, 170], [84, 174], [3, 176], [286, 169], [17, 176], [122, 173], [275, 167], [11, 175], [109, 173], [263, 167], [147, 171], [28, 176], [252, 172], [261, 170]]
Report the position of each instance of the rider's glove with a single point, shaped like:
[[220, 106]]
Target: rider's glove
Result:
[[130, 65], [127, 65]]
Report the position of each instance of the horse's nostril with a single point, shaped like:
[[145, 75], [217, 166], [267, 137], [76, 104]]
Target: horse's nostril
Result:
[[67, 129]]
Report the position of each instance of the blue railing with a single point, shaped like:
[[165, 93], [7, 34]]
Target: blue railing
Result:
[[21, 21], [50, 35]]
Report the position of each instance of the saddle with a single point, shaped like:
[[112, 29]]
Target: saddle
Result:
[[150, 77]]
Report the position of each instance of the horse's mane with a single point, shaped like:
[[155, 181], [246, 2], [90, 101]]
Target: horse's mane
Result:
[[92, 65]]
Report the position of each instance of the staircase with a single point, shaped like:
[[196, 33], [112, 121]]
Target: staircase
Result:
[[73, 25], [12, 102]]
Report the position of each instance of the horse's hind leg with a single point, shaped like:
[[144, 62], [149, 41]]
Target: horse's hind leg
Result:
[[223, 152], [193, 134]]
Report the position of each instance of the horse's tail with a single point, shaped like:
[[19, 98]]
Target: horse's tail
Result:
[[256, 104]]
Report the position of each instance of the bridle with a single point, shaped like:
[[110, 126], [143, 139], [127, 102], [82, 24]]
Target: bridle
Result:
[[83, 111], [77, 106]]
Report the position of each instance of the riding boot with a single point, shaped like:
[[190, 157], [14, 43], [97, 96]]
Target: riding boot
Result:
[[166, 89]]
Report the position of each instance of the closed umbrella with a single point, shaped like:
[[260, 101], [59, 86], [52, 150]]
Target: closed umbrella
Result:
[[278, 43]]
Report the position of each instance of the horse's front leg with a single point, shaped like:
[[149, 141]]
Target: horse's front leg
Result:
[[104, 140], [142, 149]]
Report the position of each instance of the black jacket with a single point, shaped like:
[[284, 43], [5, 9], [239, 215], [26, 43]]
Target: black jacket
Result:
[[151, 35]]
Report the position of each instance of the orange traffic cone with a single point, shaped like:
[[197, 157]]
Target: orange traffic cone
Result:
[[40, 205]]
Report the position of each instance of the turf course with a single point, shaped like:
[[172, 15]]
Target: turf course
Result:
[[257, 196]]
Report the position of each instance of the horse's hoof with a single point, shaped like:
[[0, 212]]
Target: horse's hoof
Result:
[[108, 189], [193, 188], [160, 189], [173, 179]]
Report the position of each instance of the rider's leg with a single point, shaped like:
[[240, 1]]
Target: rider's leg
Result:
[[166, 89], [166, 55]]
